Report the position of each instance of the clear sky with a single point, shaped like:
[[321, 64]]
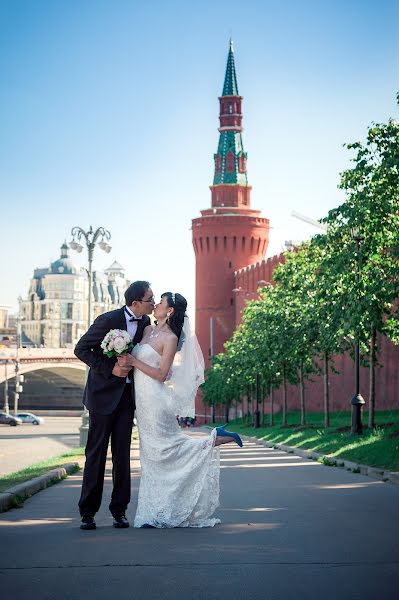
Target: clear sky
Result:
[[109, 116]]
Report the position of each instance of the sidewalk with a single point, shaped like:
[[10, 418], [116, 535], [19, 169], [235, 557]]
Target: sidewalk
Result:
[[291, 529]]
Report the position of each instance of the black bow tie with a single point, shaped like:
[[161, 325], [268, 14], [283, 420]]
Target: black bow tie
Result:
[[132, 317]]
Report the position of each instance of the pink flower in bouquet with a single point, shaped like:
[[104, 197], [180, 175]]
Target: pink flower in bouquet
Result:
[[116, 342]]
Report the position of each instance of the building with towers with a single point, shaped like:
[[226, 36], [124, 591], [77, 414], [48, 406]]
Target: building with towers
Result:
[[55, 311]]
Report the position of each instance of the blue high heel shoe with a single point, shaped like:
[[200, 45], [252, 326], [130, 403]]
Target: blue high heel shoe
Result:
[[221, 432]]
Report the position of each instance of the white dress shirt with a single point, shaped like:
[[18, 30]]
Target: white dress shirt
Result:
[[131, 328]]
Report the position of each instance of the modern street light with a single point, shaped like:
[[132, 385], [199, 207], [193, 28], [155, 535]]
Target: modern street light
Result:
[[90, 238], [357, 400], [19, 379], [6, 404]]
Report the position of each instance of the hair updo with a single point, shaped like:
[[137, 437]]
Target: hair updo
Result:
[[176, 321]]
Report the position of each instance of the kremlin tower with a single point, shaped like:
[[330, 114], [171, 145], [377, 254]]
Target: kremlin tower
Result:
[[230, 235]]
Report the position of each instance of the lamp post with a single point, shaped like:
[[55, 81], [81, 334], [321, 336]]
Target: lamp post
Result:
[[211, 353], [60, 325], [357, 401], [19, 379], [6, 405], [90, 238]]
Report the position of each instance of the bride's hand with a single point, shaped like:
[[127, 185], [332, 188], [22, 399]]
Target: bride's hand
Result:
[[127, 360]]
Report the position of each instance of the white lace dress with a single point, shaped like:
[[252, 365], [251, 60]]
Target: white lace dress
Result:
[[179, 484]]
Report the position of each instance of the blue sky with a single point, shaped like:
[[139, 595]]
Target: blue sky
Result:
[[109, 116]]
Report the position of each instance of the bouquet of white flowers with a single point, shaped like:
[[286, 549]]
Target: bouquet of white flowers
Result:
[[116, 343]]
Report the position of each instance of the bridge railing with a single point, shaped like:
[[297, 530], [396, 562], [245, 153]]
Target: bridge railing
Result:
[[36, 353]]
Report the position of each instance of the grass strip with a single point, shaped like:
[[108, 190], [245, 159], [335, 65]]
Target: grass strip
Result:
[[378, 447], [40, 468]]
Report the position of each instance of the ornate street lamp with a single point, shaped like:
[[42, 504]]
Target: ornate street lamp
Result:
[[90, 238], [357, 400]]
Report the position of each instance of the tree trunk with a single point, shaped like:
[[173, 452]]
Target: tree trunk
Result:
[[227, 407], [271, 406], [373, 360], [302, 394], [263, 405], [326, 391], [253, 406], [284, 395], [249, 406]]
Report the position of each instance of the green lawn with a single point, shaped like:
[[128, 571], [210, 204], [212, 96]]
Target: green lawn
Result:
[[378, 447], [40, 468]]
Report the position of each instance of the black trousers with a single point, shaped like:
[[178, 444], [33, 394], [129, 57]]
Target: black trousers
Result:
[[118, 425]]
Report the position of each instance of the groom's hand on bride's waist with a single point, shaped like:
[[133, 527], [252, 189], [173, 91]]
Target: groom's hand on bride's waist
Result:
[[126, 361], [119, 371]]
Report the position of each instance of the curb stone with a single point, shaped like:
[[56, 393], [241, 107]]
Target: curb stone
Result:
[[16, 495], [374, 472]]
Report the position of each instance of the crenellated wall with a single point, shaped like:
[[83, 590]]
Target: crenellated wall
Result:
[[247, 282]]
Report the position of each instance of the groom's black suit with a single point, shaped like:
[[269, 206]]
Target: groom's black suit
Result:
[[111, 403]]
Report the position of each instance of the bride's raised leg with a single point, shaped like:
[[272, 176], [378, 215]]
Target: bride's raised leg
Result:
[[225, 437], [224, 440]]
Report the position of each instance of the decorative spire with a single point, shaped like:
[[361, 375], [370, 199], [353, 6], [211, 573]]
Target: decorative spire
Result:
[[64, 250], [230, 87], [230, 159]]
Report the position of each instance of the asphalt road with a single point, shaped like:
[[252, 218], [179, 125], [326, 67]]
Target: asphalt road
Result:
[[27, 444], [291, 529]]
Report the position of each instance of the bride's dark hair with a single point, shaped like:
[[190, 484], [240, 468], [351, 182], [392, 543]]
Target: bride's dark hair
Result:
[[176, 321]]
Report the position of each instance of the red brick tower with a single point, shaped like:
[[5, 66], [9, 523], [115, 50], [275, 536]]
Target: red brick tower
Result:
[[229, 235]]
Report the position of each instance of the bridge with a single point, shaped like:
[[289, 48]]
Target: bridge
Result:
[[34, 359], [54, 378]]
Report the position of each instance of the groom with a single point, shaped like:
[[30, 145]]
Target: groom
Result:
[[109, 396]]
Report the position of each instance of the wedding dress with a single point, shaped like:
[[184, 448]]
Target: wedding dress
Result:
[[179, 484]]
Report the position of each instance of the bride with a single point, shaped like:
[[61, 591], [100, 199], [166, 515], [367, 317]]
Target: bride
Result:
[[179, 484]]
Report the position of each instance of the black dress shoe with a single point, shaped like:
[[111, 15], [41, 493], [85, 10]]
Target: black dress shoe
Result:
[[120, 522], [88, 523]]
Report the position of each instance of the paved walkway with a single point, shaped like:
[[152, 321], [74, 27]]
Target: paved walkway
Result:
[[291, 529]]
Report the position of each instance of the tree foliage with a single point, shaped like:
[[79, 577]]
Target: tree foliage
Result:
[[336, 288]]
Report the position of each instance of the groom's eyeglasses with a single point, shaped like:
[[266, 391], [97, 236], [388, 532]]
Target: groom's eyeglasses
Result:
[[151, 300]]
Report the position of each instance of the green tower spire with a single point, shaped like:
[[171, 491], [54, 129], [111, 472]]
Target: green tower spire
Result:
[[230, 159], [230, 87]]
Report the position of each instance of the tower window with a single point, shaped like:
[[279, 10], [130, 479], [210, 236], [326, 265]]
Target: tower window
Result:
[[243, 243], [230, 109], [225, 242], [230, 162], [234, 242], [230, 264], [200, 241], [231, 301], [242, 163], [216, 242], [207, 243], [218, 163]]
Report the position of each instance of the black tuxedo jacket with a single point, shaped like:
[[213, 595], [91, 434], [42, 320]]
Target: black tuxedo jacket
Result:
[[103, 389]]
